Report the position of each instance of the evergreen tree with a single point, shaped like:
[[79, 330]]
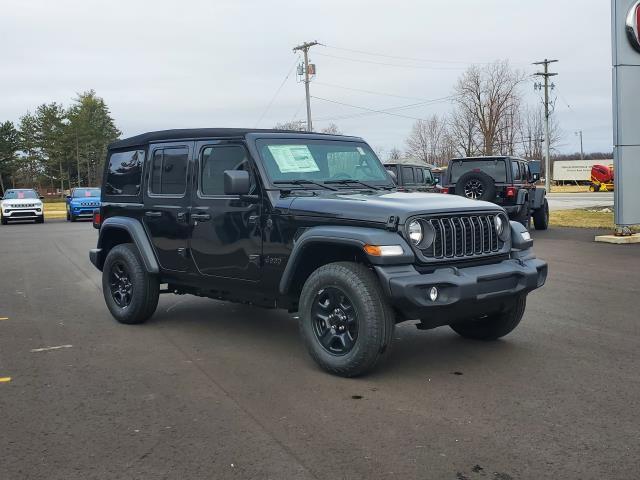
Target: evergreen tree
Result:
[[9, 146]]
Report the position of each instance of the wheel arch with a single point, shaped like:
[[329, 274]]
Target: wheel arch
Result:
[[117, 230], [318, 246]]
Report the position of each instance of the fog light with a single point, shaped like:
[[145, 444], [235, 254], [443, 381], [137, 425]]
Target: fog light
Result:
[[433, 294]]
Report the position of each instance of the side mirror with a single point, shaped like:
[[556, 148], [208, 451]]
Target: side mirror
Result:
[[393, 176], [535, 177], [67, 196], [236, 182], [41, 197]]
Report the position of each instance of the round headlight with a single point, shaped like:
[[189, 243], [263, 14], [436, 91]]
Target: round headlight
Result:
[[415, 232], [499, 224]]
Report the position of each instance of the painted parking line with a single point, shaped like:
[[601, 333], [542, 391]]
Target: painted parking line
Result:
[[46, 349], [5, 379]]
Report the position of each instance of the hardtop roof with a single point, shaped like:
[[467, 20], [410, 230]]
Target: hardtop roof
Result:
[[205, 133]]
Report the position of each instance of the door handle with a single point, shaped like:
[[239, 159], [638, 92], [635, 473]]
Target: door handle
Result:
[[152, 214], [201, 217]]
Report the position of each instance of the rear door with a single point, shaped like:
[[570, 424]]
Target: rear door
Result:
[[226, 230], [166, 203]]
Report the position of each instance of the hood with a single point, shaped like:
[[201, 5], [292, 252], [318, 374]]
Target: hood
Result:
[[379, 206], [22, 201]]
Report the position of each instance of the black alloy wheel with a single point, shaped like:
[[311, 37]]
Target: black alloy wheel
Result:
[[121, 286], [473, 189], [335, 321]]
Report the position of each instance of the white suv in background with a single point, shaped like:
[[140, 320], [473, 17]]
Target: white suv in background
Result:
[[21, 204]]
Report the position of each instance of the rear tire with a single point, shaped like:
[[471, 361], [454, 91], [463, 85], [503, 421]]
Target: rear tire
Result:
[[524, 215], [541, 216], [345, 319], [493, 326], [130, 292]]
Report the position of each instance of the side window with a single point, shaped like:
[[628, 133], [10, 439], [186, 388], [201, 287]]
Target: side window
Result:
[[419, 176], [524, 168], [124, 173], [428, 176], [407, 175], [169, 171], [515, 169], [213, 163]]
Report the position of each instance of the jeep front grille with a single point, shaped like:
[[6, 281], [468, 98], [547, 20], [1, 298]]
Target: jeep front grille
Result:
[[463, 236]]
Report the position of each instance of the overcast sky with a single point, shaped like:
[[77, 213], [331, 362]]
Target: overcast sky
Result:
[[218, 63]]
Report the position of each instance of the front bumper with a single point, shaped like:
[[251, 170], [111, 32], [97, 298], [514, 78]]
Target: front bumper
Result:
[[83, 212], [462, 292], [22, 213]]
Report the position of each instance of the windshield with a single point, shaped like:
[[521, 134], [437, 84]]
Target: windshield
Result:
[[20, 194], [86, 192], [495, 168], [320, 161]]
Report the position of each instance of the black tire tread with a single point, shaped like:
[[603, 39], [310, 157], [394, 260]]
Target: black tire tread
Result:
[[494, 326], [364, 281], [541, 216], [146, 283]]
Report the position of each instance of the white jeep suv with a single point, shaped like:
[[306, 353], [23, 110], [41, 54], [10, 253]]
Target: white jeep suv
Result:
[[21, 204]]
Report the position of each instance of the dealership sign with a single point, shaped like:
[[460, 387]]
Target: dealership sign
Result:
[[633, 25]]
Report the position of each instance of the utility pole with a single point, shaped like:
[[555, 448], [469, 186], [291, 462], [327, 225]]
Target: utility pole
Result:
[[546, 74], [305, 50], [579, 133]]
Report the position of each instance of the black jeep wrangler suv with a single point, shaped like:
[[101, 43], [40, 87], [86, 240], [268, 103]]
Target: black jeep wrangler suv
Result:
[[507, 181], [310, 223]]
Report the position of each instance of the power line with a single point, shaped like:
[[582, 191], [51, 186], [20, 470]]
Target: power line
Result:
[[370, 91], [372, 110], [413, 59], [420, 67], [278, 91]]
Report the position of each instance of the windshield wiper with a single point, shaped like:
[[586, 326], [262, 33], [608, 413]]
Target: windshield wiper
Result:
[[350, 181], [303, 182]]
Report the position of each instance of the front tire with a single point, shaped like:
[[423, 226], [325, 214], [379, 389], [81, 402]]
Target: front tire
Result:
[[345, 320], [4, 221], [130, 292], [40, 219], [493, 326]]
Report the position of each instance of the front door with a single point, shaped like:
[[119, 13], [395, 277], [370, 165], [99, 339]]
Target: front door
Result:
[[226, 231], [166, 202]]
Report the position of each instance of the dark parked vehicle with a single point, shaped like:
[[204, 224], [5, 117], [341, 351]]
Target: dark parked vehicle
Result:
[[507, 181], [310, 223], [413, 176]]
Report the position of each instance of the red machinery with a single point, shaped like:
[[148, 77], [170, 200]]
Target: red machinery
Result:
[[601, 178]]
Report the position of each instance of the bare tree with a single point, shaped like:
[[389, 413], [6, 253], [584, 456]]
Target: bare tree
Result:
[[296, 126], [489, 94], [332, 129], [532, 133], [425, 142], [394, 154], [463, 131]]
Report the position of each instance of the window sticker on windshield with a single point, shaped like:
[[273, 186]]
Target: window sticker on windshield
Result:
[[87, 193], [20, 194], [360, 150], [293, 158]]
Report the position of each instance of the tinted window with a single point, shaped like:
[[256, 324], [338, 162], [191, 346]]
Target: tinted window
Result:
[[169, 171], [215, 160], [124, 173], [20, 194], [428, 176], [86, 192], [419, 176], [496, 169], [407, 175], [515, 169]]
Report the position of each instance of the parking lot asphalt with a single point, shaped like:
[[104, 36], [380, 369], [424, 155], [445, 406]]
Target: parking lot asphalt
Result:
[[211, 390]]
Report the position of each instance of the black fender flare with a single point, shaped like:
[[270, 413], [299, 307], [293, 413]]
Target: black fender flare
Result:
[[537, 199], [344, 235], [137, 233], [521, 199]]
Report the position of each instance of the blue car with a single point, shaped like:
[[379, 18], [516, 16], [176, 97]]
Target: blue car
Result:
[[82, 202]]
